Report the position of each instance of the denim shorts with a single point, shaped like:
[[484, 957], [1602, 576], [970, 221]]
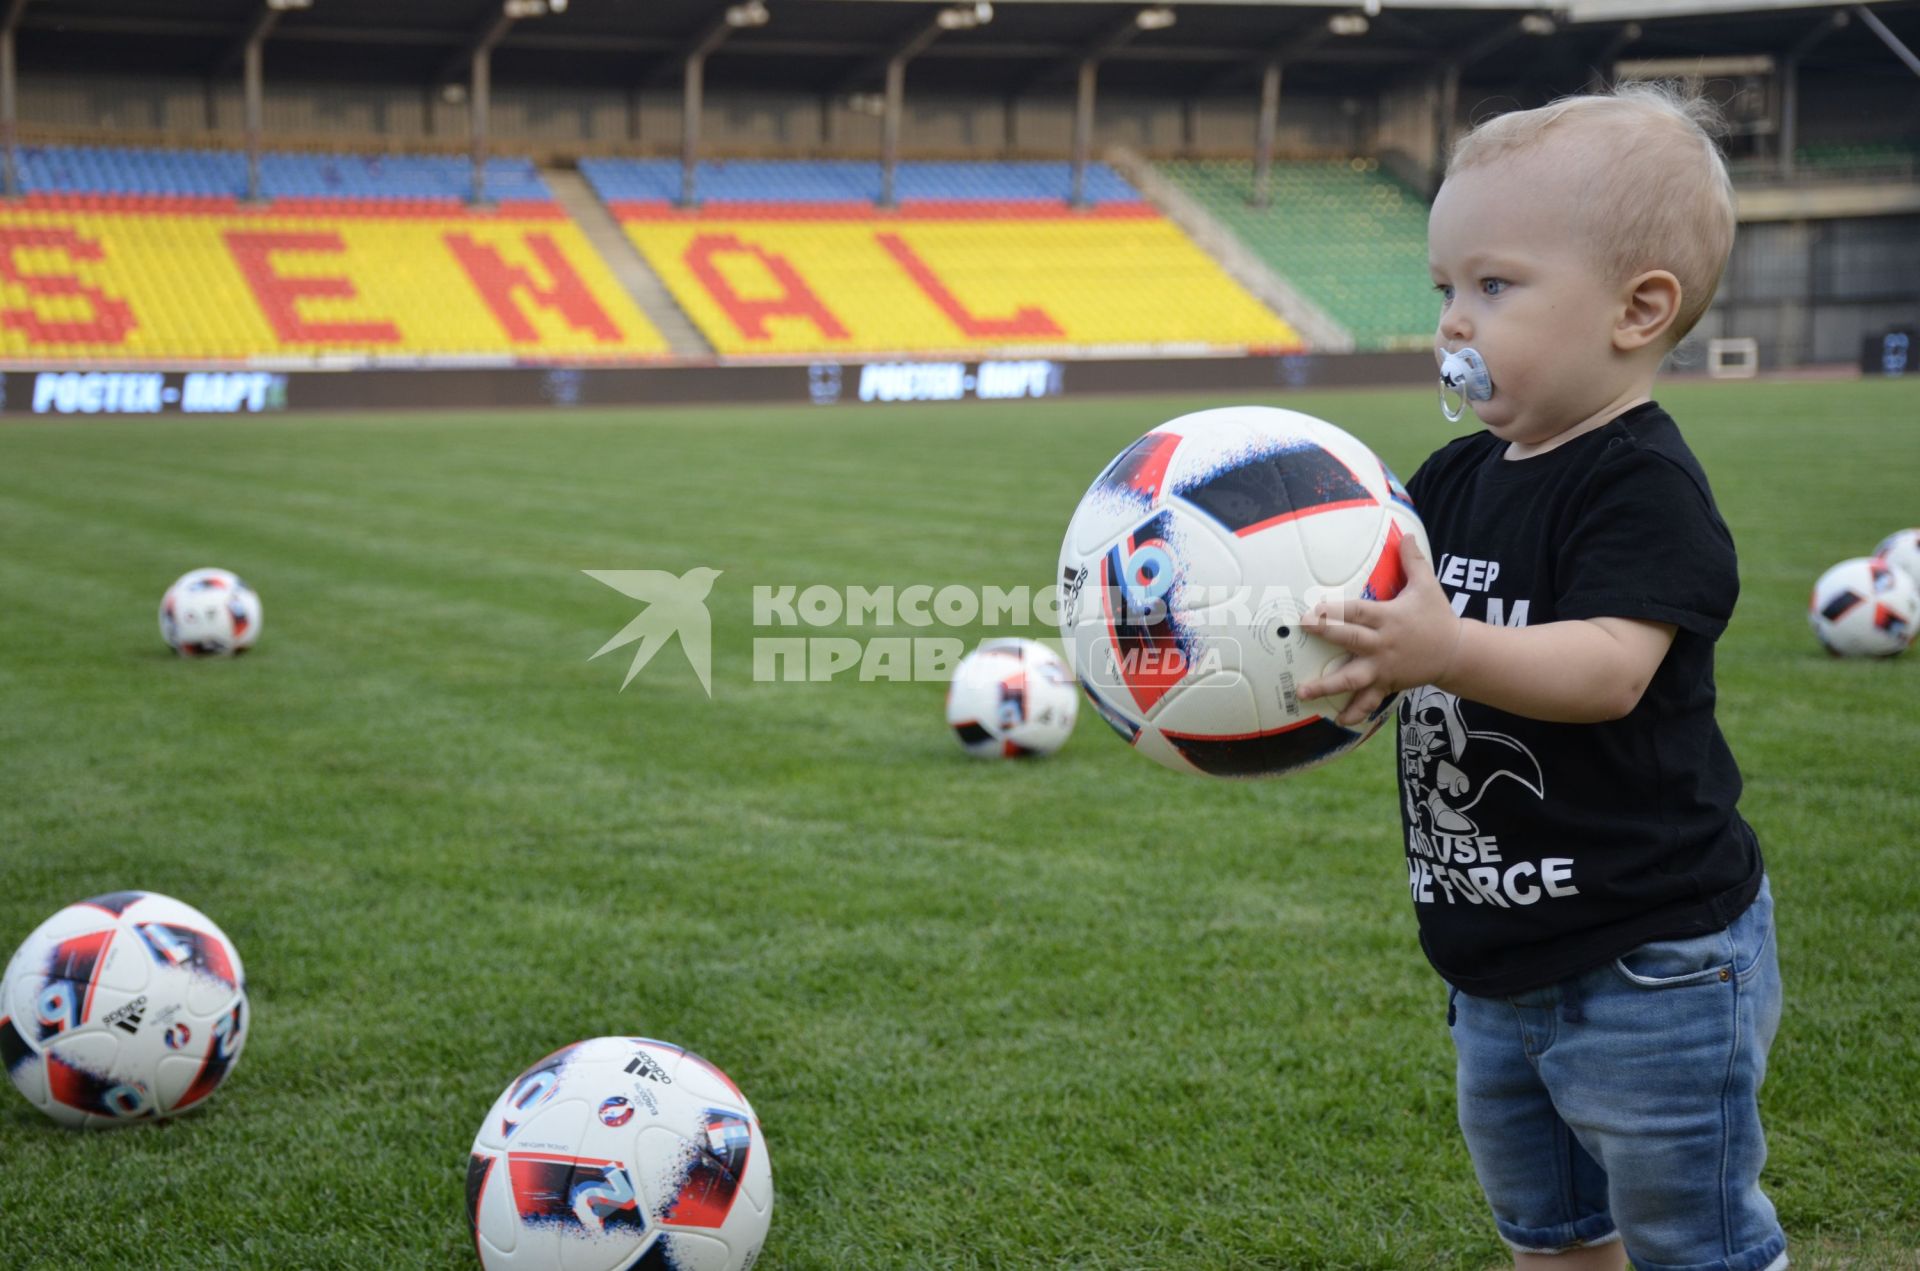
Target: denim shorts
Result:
[[1622, 1103]]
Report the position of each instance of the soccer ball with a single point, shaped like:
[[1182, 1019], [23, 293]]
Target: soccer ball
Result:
[[1864, 608], [620, 1154], [125, 1007], [1012, 698], [1901, 550], [1188, 566], [209, 613]]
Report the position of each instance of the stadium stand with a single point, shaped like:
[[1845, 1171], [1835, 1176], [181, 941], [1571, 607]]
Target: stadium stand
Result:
[[1899, 158], [779, 181], [283, 175], [153, 255], [1347, 235], [791, 257]]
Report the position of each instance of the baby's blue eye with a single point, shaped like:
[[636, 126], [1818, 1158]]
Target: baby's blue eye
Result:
[[1493, 286], [1446, 293]]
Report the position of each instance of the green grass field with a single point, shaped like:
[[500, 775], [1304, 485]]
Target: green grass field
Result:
[[1081, 1013]]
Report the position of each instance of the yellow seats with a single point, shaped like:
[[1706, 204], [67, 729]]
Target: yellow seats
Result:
[[231, 285], [873, 282]]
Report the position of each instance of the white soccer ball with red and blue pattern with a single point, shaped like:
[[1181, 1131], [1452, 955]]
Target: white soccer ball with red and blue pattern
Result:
[[1012, 699], [1865, 608], [620, 1154], [209, 613], [127, 1007], [1901, 549], [1188, 566]]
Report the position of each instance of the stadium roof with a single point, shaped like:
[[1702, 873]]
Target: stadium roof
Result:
[[834, 46]]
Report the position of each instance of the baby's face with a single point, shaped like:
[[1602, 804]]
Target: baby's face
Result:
[[1518, 283]]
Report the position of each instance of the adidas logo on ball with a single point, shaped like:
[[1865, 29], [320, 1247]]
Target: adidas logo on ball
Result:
[[128, 1017], [644, 1065]]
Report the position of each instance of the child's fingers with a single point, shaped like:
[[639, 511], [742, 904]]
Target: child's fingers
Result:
[[1355, 674], [1326, 620], [1363, 705], [1413, 560], [1322, 687], [1349, 637]]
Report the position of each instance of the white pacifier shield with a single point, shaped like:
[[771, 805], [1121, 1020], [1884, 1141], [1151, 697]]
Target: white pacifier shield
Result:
[[1463, 379]]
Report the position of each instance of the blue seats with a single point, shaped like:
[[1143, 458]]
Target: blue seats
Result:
[[283, 174], [847, 181]]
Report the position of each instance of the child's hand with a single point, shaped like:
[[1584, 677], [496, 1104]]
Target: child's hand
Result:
[[1396, 644]]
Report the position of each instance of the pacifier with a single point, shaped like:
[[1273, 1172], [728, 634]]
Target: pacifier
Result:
[[1463, 379]]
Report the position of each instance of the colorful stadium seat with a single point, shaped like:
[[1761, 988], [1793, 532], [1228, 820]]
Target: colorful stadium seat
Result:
[[1899, 158], [1348, 236], [797, 181], [283, 175], [151, 255], [790, 258]]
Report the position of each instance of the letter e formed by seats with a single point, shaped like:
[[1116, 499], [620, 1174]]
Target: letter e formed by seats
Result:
[[111, 321], [749, 316], [496, 281], [279, 295]]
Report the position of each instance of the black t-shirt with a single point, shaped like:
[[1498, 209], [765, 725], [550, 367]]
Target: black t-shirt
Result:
[[1536, 851]]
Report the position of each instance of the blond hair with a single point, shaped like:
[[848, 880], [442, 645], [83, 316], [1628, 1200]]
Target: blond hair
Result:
[[1651, 183]]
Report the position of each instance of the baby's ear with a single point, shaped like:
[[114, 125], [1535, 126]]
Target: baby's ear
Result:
[[1651, 302]]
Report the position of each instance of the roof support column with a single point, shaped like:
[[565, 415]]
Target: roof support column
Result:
[[250, 48], [477, 59], [479, 105], [1447, 111], [1446, 107], [1616, 44], [896, 93], [10, 179], [1888, 38], [1789, 72], [1264, 134], [1083, 129], [693, 87], [254, 59], [1154, 18]]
